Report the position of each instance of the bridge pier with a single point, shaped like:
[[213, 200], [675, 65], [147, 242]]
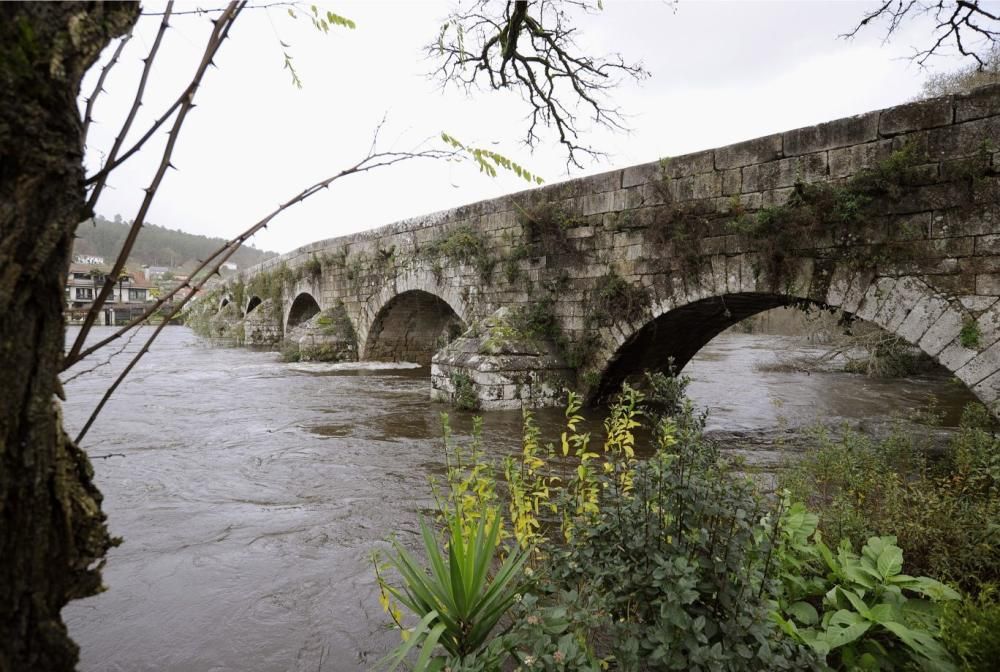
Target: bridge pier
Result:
[[495, 366]]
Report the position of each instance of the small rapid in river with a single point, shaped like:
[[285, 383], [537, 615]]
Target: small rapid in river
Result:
[[251, 493]]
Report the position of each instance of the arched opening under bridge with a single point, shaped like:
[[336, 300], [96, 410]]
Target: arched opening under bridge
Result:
[[252, 303], [411, 327], [303, 308]]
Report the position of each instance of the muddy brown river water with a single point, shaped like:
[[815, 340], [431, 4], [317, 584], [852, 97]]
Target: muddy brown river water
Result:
[[252, 492]]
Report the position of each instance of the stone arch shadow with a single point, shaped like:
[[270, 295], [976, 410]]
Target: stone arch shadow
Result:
[[904, 306], [410, 321], [252, 304], [303, 307]]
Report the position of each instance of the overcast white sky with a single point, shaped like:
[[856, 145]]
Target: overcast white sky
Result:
[[721, 72]]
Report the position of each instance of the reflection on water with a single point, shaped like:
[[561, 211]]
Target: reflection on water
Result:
[[253, 492]]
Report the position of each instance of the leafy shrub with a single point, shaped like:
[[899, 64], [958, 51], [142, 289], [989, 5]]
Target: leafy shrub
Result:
[[969, 629], [458, 603], [464, 396], [856, 611], [617, 299], [944, 513]]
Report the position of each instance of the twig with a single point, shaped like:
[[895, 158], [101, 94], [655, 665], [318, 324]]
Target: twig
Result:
[[88, 117], [136, 103], [370, 162], [106, 361], [373, 160], [104, 457], [219, 9], [219, 34]]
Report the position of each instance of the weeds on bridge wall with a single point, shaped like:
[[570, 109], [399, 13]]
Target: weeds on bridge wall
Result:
[[461, 245]]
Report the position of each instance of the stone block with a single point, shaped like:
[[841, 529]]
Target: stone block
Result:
[[878, 292], [759, 150], [963, 139], [955, 355], [785, 172], [988, 283], [732, 180], [833, 134], [635, 176], [687, 164], [982, 102], [916, 116], [596, 204], [706, 185], [925, 313], [597, 184], [981, 366], [944, 330]]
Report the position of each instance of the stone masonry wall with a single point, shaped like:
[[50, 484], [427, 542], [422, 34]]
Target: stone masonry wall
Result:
[[941, 277]]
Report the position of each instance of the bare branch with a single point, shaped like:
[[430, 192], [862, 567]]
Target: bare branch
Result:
[[88, 116], [221, 256], [136, 103], [373, 160], [213, 10], [965, 25], [106, 362], [220, 31], [529, 47]]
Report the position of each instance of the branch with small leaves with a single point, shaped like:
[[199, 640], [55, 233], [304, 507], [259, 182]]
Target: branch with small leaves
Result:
[[530, 47]]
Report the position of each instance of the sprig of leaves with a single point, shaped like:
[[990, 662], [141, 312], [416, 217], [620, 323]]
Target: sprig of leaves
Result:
[[489, 160]]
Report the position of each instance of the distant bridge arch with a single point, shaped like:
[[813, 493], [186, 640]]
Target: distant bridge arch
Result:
[[252, 304]]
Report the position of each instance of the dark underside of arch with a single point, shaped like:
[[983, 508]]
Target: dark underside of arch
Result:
[[675, 337], [303, 308], [411, 328]]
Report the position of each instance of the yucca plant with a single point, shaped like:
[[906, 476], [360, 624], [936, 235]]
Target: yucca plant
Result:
[[457, 602]]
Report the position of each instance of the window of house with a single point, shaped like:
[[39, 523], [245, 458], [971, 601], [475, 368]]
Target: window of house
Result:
[[137, 295], [84, 293]]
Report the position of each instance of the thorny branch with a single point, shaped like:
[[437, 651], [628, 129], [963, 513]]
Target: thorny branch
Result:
[[220, 31], [530, 47], [88, 116], [373, 160], [967, 23], [106, 362], [140, 90], [213, 10]]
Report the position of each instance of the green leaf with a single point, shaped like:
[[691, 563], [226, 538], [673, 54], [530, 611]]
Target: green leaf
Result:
[[804, 613]]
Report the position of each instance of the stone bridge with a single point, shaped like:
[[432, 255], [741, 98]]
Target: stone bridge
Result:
[[891, 216]]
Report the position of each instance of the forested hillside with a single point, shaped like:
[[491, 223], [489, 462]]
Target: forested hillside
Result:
[[156, 245]]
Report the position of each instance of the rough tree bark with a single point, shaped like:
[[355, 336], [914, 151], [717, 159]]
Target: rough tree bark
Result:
[[53, 536]]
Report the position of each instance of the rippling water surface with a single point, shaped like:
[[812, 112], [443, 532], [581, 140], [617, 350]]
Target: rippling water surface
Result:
[[250, 493]]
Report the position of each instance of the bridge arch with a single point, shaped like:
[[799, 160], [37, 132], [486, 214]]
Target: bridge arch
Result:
[[304, 307], [225, 301], [411, 320], [905, 306], [252, 304]]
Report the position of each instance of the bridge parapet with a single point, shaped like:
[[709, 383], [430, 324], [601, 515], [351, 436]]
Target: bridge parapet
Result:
[[892, 215]]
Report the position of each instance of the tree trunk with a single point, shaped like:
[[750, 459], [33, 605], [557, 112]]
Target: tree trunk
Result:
[[53, 536]]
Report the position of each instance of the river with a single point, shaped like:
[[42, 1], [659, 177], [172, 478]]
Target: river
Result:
[[251, 493]]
